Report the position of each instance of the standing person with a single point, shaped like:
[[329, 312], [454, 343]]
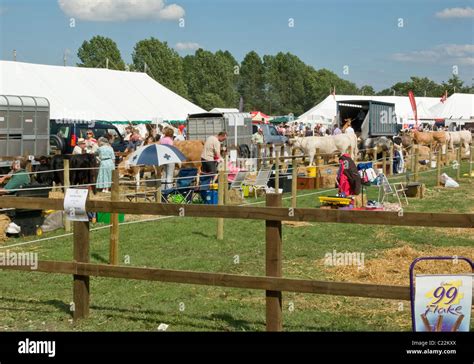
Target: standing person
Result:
[[337, 130], [322, 130], [135, 140], [257, 142], [168, 169], [17, 177], [348, 127], [211, 153], [91, 142], [80, 148], [107, 165]]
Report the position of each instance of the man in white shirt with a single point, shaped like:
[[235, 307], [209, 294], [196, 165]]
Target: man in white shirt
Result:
[[211, 153]]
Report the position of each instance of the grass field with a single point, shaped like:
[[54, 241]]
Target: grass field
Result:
[[39, 301]]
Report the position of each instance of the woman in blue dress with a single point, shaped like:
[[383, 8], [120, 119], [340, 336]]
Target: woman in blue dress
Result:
[[107, 165]]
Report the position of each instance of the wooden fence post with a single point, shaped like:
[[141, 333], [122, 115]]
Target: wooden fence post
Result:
[[273, 264], [277, 171], [317, 163], [259, 156], [67, 223], [384, 163], [430, 155], [294, 182], [390, 160], [416, 162], [438, 167], [459, 159], [374, 159], [222, 181], [81, 283], [471, 161], [114, 219]]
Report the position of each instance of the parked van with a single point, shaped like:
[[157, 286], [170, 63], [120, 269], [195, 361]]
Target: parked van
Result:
[[65, 134]]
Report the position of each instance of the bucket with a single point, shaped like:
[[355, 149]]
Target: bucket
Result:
[[433, 164], [311, 172], [246, 190], [210, 197]]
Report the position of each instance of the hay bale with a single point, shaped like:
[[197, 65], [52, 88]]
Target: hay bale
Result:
[[4, 222], [235, 197]]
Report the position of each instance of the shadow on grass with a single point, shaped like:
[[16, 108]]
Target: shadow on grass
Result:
[[99, 258]]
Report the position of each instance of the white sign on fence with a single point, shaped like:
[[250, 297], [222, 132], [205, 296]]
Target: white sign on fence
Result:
[[75, 204], [443, 302]]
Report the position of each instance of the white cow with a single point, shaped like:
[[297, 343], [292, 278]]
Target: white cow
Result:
[[327, 145], [460, 138]]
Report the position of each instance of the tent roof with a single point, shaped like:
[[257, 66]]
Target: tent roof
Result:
[[456, 107], [221, 110], [327, 109], [95, 94]]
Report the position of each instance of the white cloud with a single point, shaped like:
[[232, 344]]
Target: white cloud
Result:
[[187, 46], [460, 54], [120, 10], [449, 13]]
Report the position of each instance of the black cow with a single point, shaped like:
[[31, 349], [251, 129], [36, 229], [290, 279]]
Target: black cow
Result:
[[86, 175], [45, 177]]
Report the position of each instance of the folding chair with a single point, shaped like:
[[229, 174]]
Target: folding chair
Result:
[[262, 179], [205, 181], [386, 189], [185, 185], [239, 180]]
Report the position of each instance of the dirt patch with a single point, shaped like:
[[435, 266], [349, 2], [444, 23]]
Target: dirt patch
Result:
[[392, 266]]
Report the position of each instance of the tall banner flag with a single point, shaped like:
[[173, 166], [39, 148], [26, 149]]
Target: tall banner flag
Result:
[[411, 96], [443, 303]]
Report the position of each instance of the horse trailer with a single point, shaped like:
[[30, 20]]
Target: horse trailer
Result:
[[24, 126]]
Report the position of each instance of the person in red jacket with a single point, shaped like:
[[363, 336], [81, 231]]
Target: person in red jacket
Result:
[[348, 178]]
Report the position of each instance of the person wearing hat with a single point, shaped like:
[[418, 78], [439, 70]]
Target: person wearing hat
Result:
[[17, 177], [106, 156], [80, 148]]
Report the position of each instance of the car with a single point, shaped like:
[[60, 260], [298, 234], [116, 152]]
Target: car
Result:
[[270, 134], [65, 134]]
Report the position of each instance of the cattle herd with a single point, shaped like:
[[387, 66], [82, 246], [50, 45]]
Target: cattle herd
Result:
[[362, 149]]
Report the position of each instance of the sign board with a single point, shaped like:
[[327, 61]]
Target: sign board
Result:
[[28, 120], [443, 302], [75, 204], [2, 118]]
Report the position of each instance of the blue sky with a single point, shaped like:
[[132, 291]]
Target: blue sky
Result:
[[362, 34]]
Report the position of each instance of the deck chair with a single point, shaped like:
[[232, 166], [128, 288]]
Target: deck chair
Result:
[[262, 179], [386, 189], [184, 190], [239, 180]]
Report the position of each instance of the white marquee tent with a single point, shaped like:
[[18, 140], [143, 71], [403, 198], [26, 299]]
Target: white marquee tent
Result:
[[326, 110], [77, 93], [458, 108]]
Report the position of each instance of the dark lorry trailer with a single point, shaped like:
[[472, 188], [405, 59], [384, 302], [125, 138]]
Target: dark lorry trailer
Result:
[[381, 117]]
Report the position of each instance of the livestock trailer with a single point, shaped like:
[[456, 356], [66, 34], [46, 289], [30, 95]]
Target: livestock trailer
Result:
[[237, 125], [375, 117], [24, 126]]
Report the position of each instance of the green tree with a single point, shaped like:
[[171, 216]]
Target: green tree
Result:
[[421, 86], [211, 79], [455, 85], [97, 51], [367, 90], [162, 63], [252, 82]]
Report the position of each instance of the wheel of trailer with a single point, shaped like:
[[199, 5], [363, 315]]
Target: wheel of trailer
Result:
[[56, 143], [244, 151]]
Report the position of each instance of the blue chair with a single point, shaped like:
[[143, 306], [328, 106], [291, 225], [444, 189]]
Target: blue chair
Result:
[[185, 185], [205, 181]]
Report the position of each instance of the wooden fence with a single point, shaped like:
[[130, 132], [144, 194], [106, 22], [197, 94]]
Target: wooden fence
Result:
[[273, 283]]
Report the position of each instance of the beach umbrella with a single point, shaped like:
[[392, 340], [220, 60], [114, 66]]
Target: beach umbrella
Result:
[[156, 155]]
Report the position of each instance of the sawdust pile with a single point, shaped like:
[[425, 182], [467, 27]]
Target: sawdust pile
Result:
[[392, 266]]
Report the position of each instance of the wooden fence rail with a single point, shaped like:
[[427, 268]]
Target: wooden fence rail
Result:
[[273, 283]]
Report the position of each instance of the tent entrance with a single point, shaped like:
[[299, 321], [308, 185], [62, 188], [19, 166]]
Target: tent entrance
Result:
[[356, 111]]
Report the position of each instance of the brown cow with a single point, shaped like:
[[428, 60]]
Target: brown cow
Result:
[[192, 150], [422, 138]]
